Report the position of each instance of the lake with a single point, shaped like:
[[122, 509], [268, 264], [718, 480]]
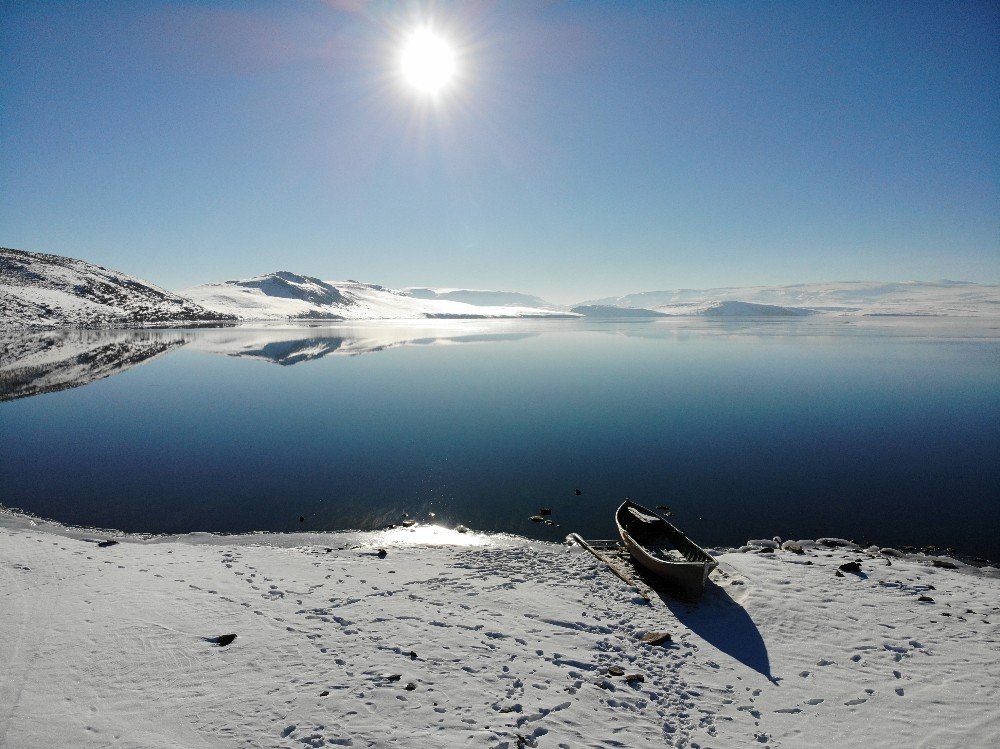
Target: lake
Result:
[[866, 428]]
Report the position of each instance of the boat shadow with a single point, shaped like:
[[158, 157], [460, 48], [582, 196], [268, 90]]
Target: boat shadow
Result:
[[721, 622]]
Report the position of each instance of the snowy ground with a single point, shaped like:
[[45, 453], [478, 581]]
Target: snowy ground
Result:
[[469, 640]]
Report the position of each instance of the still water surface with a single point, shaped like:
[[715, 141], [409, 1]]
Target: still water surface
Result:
[[880, 429]]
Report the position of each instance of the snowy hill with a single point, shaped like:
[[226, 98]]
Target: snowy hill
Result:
[[38, 290], [480, 297], [957, 298], [284, 295]]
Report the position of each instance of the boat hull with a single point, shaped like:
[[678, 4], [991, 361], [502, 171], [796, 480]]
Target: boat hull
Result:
[[646, 533]]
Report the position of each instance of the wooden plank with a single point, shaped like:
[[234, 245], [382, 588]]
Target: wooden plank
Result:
[[643, 590]]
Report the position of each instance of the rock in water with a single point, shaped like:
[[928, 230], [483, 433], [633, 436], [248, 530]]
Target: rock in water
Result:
[[578, 492], [221, 640], [537, 519], [545, 511]]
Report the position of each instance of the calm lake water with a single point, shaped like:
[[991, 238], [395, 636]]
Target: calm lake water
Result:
[[861, 428]]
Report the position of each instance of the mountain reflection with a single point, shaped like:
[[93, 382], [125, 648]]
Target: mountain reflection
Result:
[[287, 346], [34, 363], [46, 362]]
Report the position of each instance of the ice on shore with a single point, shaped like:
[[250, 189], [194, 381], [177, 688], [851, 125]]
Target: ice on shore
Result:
[[462, 639]]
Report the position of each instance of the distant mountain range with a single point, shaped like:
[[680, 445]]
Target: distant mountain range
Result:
[[284, 295], [954, 298], [49, 291]]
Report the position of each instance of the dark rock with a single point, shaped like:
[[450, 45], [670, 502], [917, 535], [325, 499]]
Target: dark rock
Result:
[[616, 671], [106, 544], [382, 553], [394, 677], [324, 693], [655, 638], [944, 564], [928, 586], [925, 599], [408, 523], [413, 655], [765, 550], [854, 567], [410, 686], [838, 573], [545, 511], [635, 678], [302, 519], [578, 492], [221, 640]]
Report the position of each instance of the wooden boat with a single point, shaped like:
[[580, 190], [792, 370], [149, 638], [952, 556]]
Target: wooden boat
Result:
[[658, 546]]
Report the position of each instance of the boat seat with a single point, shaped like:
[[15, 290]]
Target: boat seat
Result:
[[641, 516]]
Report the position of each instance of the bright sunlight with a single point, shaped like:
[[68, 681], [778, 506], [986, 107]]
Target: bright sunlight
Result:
[[427, 62]]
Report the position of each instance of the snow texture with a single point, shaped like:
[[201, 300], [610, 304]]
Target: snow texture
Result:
[[460, 639], [38, 290]]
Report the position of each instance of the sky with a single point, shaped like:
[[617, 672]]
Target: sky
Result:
[[584, 149]]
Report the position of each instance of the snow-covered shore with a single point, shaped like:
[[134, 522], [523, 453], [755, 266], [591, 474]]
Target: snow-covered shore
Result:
[[472, 640]]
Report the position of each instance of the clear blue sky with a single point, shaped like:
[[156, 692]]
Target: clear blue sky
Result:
[[587, 149]]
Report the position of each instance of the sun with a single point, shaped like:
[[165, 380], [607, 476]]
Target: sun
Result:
[[427, 62]]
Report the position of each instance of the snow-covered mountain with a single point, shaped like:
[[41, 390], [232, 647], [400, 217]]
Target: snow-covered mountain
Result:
[[284, 295], [38, 290], [958, 298], [480, 297]]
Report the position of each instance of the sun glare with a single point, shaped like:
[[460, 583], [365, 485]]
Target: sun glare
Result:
[[427, 62]]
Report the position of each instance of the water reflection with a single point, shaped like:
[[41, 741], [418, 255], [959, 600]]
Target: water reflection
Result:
[[34, 363], [46, 362], [287, 346]]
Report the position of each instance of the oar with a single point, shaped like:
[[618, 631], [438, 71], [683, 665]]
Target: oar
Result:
[[577, 538]]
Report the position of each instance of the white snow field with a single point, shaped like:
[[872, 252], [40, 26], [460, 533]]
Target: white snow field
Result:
[[285, 295], [466, 640]]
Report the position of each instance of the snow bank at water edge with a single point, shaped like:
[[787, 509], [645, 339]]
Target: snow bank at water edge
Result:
[[452, 639]]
